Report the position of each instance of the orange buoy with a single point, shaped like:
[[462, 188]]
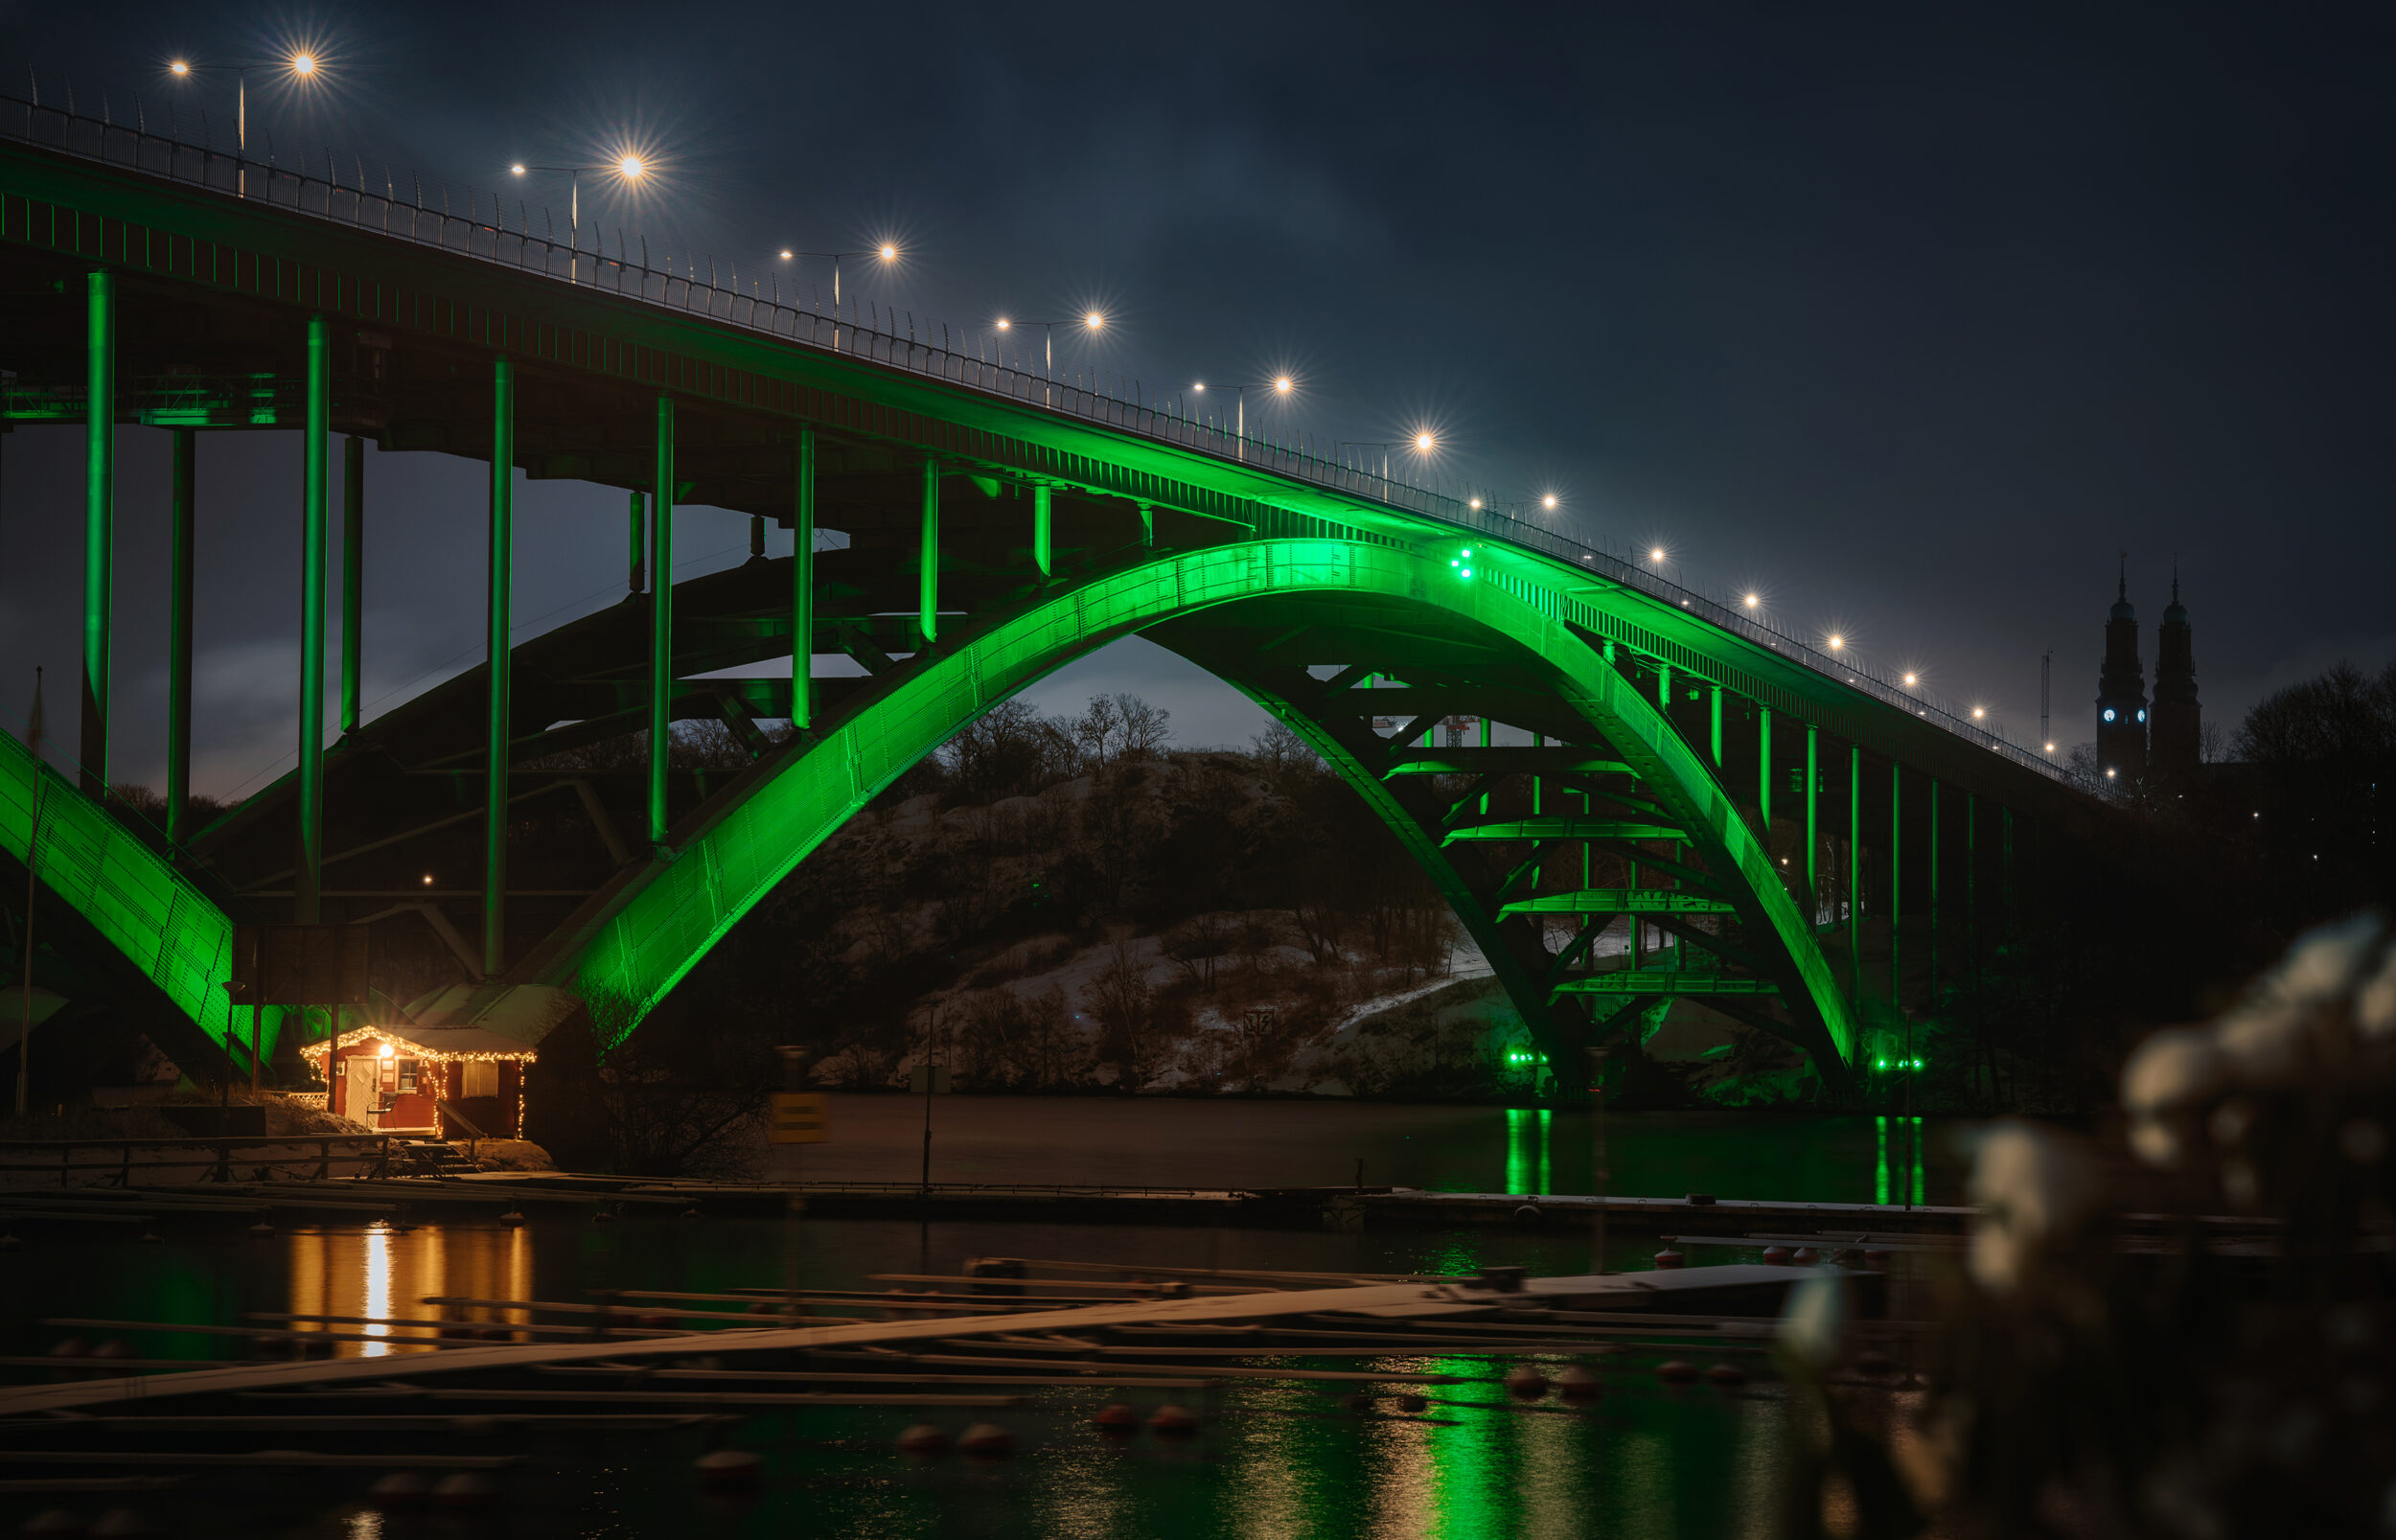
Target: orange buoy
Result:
[[1669, 1258], [1776, 1257], [401, 1489], [1676, 1371], [1579, 1383], [987, 1440], [1727, 1375], [1525, 1383], [729, 1469], [464, 1489], [1116, 1419], [1173, 1422], [923, 1440], [1805, 1256], [1411, 1402]]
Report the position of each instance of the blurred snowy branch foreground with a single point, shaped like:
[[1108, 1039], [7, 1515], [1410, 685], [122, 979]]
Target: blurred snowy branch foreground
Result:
[[2178, 1325]]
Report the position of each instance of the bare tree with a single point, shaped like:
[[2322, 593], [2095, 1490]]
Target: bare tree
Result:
[[1144, 727], [1125, 1005], [1098, 730], [1277, 750]]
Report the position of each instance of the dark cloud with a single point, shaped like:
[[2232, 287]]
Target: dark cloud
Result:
[[1910, 317]]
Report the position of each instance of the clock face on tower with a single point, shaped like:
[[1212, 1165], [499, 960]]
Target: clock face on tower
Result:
[[2108, 713]]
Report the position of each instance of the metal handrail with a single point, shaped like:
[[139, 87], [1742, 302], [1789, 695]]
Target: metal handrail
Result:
[[469, 235]]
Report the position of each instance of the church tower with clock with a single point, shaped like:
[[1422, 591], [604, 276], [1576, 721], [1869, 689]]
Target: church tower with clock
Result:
[[2122, 695]]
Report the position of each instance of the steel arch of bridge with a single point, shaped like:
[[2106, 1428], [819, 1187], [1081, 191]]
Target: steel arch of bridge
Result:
[[630, 945]]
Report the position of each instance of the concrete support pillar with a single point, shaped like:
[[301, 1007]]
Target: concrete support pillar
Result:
[[501, 666], [661, 623], [1043, 546], [927, 573], [803, 582], [353, 576], [100, 474], [316, 451], [179, 594]]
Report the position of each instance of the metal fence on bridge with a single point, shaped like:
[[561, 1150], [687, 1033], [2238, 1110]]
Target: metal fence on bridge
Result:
[[479, 230]]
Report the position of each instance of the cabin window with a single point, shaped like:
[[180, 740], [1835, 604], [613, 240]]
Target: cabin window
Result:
[[482, 1077], [407, 1076]]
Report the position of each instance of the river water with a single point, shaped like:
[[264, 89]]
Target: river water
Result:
[[1273, 1460]]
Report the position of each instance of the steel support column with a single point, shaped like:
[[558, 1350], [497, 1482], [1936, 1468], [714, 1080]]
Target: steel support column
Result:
[[803, 582], [633, 577], [1763, 770], [1664, 689], [352, 575], [1716, 711], [179, 594], [99, 461], [501, 660], [1971, 881], [308, 884], [1934, 894], [661, 623], [928, 574], [1043, 532], [1895, 884], [1813, 823], [1855, 869]]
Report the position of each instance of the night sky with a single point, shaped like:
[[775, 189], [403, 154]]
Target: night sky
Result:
[[1909, 317]]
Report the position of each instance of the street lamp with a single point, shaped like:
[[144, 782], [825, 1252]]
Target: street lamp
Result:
[[1088, 320], [886, 253], [299, 63], [1280, 385], [628, 168], [1424, 443]]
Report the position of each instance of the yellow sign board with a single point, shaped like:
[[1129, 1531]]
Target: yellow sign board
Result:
[[799, 1117]]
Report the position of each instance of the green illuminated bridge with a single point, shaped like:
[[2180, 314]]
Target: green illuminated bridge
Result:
[[1671, 759]]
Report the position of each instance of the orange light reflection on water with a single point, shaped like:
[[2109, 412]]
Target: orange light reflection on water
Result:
[[384, 1276]]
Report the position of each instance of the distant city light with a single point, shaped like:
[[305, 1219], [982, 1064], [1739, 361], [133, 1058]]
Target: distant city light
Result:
[[2109, 772]]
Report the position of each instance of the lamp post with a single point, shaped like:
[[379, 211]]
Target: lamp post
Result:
[[631, 168], [1422, 442], [1282, 386], [1087, 321], [301, 65], [886, 253]]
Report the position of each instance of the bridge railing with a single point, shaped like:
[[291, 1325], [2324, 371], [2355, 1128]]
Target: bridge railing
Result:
[[476, 224]]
